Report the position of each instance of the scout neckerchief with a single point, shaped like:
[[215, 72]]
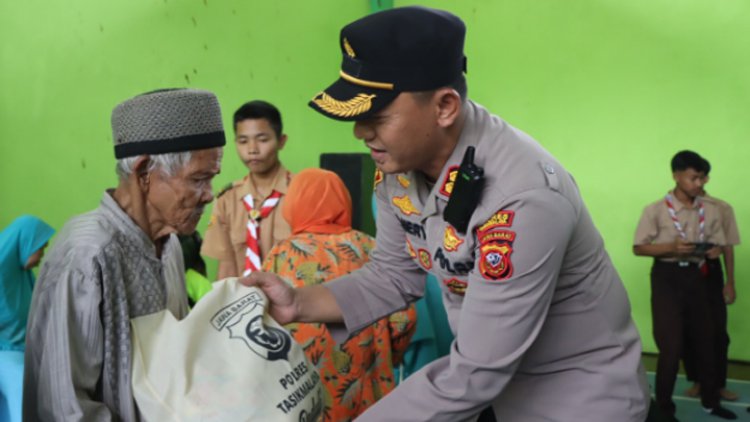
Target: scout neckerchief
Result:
[[701, 224], [252, 252]]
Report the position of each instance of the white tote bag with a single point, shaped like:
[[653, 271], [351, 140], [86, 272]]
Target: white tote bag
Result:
[[226, 361]]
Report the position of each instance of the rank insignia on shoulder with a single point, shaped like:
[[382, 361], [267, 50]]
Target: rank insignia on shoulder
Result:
[[450, 178], [212, 220], [451, 241], [501, 218], [494, 260], [455, 286], [225, 189], [410, 249], [425, 259], [377, 179], [403, 181], [405, 205]]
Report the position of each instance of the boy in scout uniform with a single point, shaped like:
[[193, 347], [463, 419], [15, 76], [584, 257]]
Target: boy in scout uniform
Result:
[[541, 318], [722, 294], [246, 221], [671, 230]]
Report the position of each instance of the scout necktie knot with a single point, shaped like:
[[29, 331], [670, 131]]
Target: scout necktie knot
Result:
[[255, 215]]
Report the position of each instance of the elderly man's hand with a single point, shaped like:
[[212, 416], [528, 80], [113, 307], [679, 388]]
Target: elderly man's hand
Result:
[[281, 296]]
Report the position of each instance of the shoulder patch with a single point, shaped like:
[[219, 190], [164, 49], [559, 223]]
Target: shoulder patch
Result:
[[211, 221], [497, 235], [494, 260], [405, 205], [377, 179], [450, 178], [496, 246], [451, 241], [501, 218], [225, 189]]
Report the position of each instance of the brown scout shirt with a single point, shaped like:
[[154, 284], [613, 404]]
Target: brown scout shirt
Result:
[[541, 318], [656, 226], [226, 235], [728, 222]]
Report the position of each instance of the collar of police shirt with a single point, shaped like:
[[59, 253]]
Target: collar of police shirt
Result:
[[428, 197]]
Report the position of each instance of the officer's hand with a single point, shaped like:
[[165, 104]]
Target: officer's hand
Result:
[[714, 252], [281, 296], [682, 247], [729, 294]]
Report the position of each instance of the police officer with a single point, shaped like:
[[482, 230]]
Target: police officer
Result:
[[541, 318], [669, 231]]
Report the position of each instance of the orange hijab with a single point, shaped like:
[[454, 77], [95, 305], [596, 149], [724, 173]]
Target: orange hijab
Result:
[[317, 202]]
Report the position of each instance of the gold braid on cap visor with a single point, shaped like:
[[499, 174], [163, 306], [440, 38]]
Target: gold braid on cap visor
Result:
[[353, 107], [362, 82]]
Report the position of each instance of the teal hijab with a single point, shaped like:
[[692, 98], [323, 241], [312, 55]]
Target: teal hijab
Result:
[[21, 239]]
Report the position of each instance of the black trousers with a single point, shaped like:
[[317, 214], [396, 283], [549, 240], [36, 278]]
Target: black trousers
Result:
[[680, 304], [719, 310]]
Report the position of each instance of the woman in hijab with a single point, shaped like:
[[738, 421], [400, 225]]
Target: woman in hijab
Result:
[[22, 246], [323, 246]]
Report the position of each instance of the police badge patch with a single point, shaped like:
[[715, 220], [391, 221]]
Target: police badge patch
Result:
[[425, 259], [494, 261], [496, 246], [237, 318]]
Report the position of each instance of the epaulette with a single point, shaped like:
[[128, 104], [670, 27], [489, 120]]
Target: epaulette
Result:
[[225, 189]]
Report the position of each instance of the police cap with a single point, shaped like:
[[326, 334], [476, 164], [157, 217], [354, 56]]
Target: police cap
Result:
[[404, 49]]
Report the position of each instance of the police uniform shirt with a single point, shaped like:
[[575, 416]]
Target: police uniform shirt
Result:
[[226, 235], [541, 318], [656, 225], [728, 222]]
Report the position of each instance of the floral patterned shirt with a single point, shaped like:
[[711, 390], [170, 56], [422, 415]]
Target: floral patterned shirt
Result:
[[358, 372]]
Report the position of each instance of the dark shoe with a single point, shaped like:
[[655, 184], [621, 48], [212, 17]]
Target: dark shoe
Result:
[[721, 412]]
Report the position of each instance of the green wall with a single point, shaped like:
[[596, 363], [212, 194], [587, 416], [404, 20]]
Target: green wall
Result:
[[611, 88]]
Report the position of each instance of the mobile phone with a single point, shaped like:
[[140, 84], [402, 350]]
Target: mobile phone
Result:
[[701, 248]]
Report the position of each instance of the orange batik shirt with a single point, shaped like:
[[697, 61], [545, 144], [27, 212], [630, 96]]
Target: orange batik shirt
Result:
[[358, 372]]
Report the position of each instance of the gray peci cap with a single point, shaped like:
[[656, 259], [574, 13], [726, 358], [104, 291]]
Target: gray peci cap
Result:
[[167, 120]]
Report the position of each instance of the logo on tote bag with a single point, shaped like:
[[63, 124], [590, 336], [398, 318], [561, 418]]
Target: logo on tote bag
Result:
[[243, 319]]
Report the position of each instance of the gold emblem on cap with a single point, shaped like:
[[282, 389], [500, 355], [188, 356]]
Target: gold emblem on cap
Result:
[[353, 107], [348, 48]]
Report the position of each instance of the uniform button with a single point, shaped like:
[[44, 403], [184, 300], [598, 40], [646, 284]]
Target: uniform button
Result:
[[549, 169]]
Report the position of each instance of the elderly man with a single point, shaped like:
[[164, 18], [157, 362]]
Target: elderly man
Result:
[[121, 260]]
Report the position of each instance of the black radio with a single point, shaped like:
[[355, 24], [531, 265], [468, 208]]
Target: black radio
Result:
[[466, 193]]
